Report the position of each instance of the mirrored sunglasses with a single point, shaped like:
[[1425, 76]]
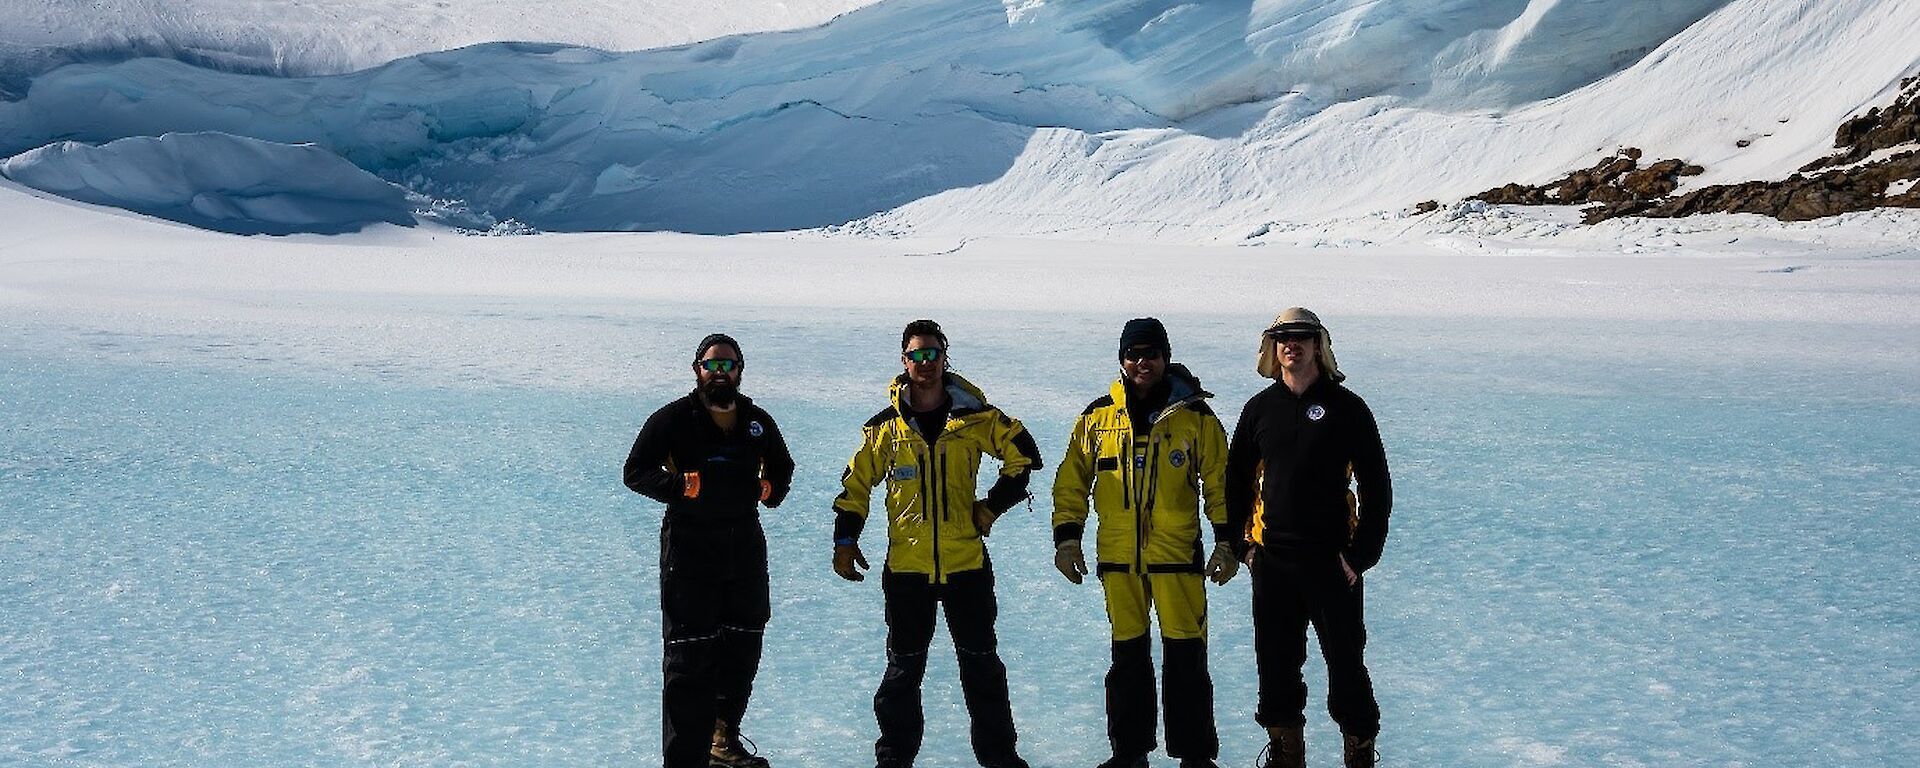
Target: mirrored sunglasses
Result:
[[1137, 354], [924, 354], [719, 365]]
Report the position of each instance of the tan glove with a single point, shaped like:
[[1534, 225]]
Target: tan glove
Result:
[[983, 517], [845, 557], [1071, 562], [1222, 567]]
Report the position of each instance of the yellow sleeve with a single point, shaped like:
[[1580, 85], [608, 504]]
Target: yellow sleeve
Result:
[[1213, 468], [864, 471], [1073, 479]]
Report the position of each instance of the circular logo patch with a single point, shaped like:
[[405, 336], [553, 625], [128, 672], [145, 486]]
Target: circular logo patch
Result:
[[1315, 412], [1177, 458], [754, 428]]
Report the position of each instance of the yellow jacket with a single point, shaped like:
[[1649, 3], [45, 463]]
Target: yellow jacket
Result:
[[930, 488], [1147, 489]]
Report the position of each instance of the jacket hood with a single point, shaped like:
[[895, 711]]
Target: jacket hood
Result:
[[1184, 388], [966, 397]]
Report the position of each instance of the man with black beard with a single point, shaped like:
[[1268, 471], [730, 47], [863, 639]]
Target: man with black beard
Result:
[[713, 457]]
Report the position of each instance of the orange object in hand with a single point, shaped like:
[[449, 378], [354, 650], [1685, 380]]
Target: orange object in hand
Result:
[[692, 490], [766, 489]]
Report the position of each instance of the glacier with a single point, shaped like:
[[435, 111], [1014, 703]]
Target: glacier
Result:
[[217, 181], [887, 105]]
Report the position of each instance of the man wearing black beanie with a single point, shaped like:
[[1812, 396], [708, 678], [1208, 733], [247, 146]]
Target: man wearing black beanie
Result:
[[713, 457], [1151, 455]]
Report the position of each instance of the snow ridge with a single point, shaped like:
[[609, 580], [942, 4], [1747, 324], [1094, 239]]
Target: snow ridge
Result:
[[1098, 117]]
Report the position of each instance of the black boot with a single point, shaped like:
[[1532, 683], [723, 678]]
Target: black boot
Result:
[[1359, 752], [1286, 747]]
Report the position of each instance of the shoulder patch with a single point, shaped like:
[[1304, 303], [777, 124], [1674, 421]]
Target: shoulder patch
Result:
[[885, 415], [1098, 403]]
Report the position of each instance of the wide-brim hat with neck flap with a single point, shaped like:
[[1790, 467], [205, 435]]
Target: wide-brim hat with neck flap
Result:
[[1294, 319]]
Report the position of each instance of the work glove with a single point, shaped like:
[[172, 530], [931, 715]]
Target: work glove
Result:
[[1222, 567], [1068, 558], [983, 517], [845, 557]]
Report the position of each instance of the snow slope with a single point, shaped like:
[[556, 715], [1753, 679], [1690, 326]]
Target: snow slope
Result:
[[333, 36], [1197, 121]]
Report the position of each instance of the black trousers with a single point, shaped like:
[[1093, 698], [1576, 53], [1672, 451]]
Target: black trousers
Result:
[[911, 600], [1294, 589], [1186, 692], [714, 597]]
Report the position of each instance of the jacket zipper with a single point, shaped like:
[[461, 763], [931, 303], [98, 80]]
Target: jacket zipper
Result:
[[1139, 512], [931, 508]]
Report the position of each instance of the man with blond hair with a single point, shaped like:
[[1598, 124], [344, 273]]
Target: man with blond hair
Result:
[[1307, 480]]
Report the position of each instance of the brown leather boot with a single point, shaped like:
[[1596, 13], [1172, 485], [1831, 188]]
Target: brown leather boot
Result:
[[1359, 752], [1286, 747], [727, 751]]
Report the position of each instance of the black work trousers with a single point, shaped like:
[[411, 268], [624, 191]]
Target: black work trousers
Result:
[[911, 601], [714, 597], [1291, 590], [1186, 691]]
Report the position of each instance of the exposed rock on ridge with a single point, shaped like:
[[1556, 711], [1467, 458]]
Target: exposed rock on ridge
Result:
[[1850, 184]]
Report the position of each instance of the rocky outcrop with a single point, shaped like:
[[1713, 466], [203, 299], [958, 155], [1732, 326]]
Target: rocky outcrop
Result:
[[1796, 198], [1878, 129], [1848, 183], [1618, 179]]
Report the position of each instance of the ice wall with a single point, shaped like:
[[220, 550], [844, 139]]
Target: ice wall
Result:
[[1184, 111], [216, 181]]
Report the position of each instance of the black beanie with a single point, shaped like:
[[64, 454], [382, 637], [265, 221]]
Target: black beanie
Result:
[[1145, 330], [718, 338]]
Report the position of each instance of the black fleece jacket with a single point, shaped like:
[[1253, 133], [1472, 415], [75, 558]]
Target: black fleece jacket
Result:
[[681, 437], [1308, 445]]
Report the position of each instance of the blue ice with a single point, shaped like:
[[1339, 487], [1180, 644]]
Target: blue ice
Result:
[[1612, 546]]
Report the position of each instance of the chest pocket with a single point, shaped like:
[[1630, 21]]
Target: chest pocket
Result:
[[906, 477]]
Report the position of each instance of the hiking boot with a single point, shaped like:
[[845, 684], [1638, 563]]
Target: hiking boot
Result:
[[729, 753], [1359, 752], [1286, 747], [1131, 761]]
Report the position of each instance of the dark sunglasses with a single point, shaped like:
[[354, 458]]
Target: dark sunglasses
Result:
[[719, 365], [1138, 354], [1298, 336], [924, 354]]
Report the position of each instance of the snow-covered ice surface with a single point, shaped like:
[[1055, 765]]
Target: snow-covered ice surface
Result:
[[355, 499]]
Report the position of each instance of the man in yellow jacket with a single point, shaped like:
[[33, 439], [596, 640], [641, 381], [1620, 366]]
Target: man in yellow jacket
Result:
[[926, 447], [1152, 456]]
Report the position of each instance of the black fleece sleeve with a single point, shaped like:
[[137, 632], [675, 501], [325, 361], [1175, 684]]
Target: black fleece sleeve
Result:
[[646, 471], [1010, 489], [777, 464], [1243, 462], [1374, 487]]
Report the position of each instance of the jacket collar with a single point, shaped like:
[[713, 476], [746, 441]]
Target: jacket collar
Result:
[[966, 398], [739, 400], [1184, 388]]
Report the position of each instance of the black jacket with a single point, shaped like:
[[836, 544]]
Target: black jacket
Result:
[[1300, 454], [681, 438]]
